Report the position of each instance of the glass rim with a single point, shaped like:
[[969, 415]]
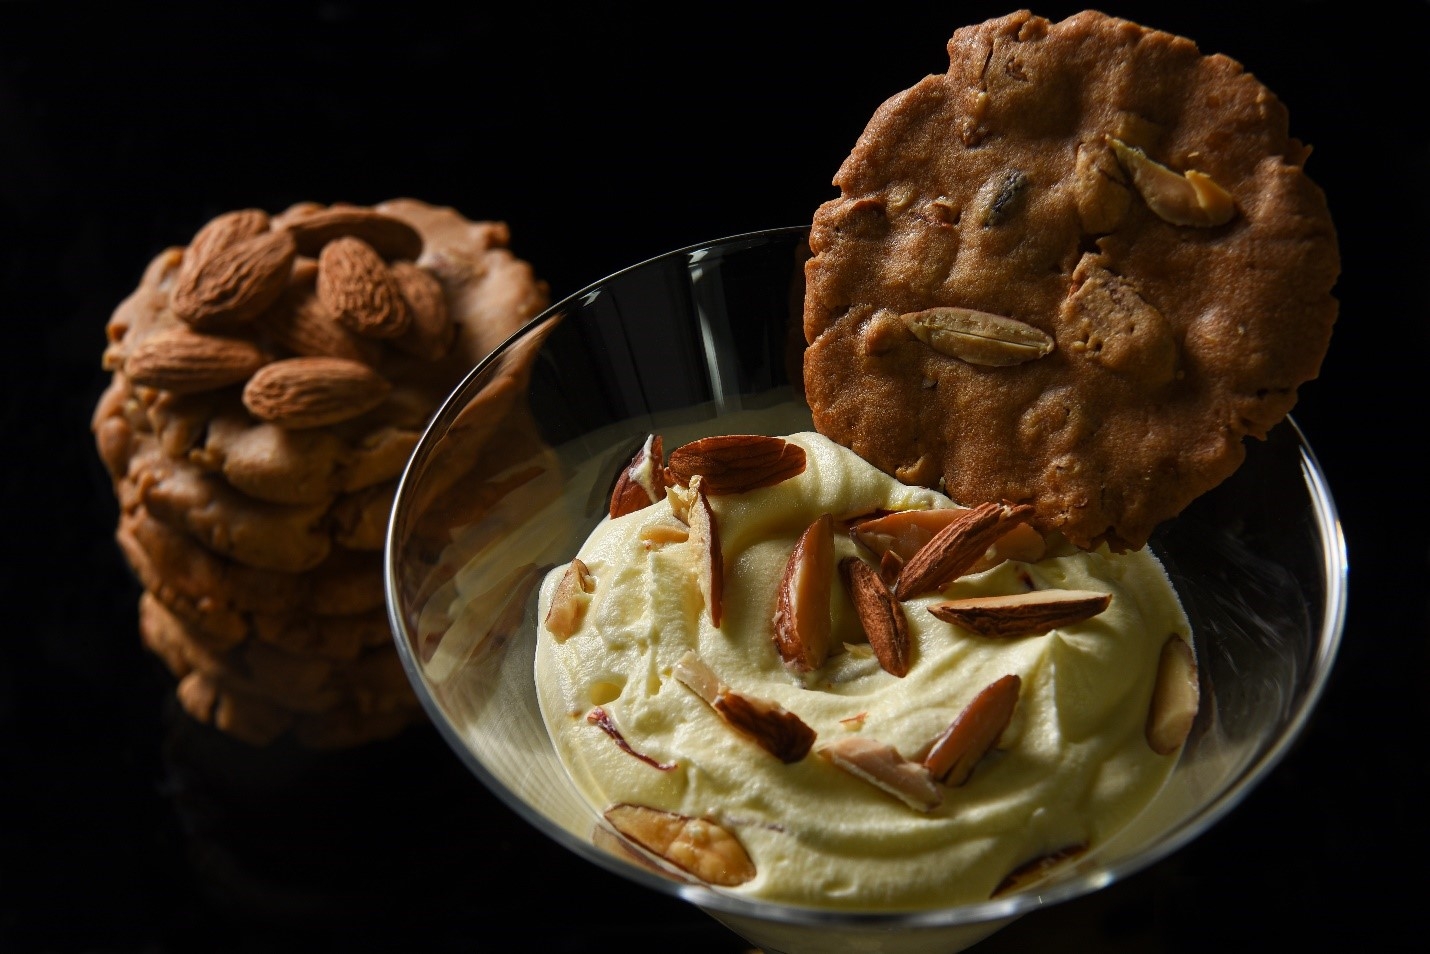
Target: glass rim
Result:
[[1334, 564]]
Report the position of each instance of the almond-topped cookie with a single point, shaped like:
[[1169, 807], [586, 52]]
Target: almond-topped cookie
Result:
[[1075, 271]]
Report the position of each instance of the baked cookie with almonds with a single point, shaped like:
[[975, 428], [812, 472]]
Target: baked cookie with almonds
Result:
[[270, 380], [1077, 270]]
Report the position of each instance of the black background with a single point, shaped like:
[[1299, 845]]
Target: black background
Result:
[[601, 138]]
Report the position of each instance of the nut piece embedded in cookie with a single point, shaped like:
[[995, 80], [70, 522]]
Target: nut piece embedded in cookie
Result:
[[186, 362], [360, 291], [300, 393], [978, 337], [235, 284]]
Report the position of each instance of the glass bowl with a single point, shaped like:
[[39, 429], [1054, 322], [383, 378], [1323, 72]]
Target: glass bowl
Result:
[[516, 468]]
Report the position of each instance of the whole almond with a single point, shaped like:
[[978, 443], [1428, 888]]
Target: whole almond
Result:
[[431, 332], [302, 324], [222, 231], [390, 237], [299, 393], [187, 362], [235, 284], [357, 287], [736, 463]]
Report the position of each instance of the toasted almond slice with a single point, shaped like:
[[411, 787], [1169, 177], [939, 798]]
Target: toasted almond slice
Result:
[[802, 630], [602, 720], [879, 613], [569, 600], [698, 846], [889, 566], [1021, 614], [1031, 871], [773, 727], [883, 767], [705, 535], [660, 533], [974, 732], [957, 547], [697, 676], [736, 463], [1022, 542], [903, 532], [641, 483], [1175, 698]]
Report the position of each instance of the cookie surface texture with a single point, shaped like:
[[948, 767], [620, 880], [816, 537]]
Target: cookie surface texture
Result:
[[1077, 270]]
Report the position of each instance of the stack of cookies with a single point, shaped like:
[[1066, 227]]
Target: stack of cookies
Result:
[[269, 383]]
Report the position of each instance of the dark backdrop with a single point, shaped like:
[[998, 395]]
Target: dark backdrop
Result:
[[601, 139]]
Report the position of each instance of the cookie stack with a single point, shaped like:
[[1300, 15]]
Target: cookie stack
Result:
[[269, 383]]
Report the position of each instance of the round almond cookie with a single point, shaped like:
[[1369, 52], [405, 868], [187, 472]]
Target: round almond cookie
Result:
[[1076, 271]]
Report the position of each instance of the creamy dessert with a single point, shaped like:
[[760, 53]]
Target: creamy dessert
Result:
[[778, 670]]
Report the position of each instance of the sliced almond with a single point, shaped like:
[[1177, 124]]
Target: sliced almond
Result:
[[1175, 698], [889, 566], [569, 600], [771, 726], [974, 733], [903, 532], [662, 533], [802, 628], [1181, 198], [736, 463], [1021, 614], [883, 767], [602, 720], [705, 536], [1036, 869], [879, 613], [978, 337], [955, 549], [698, 846], [640, 483]]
